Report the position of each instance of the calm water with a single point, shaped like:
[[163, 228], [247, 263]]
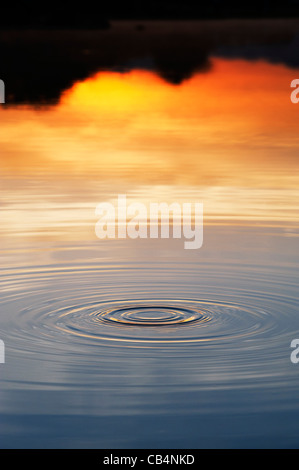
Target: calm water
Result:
[[141, 343]]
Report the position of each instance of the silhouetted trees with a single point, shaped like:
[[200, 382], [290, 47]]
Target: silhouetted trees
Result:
[[33, 14]]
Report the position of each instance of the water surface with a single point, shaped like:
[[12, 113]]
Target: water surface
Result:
[[141, 343]]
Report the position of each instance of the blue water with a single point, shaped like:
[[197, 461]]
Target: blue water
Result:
[[142, 343], [154, 348]]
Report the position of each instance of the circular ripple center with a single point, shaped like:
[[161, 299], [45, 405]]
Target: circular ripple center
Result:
[[150, 316]]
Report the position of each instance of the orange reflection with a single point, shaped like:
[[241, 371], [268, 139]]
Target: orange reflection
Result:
[[231, 123], [230, 131]]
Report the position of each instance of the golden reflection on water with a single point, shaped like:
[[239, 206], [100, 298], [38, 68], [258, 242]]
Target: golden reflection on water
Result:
[[227, 138]]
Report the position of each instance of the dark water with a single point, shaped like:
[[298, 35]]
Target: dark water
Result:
[[141, 343], [168, 350]]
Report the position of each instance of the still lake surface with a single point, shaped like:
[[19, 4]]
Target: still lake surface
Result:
[[142, 343]]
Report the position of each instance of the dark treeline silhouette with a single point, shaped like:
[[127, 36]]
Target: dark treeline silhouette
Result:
[[211, 9], [37, 66], [33, 14]]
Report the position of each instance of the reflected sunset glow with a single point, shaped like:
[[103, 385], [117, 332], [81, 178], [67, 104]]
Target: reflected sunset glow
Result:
[[226, 137]]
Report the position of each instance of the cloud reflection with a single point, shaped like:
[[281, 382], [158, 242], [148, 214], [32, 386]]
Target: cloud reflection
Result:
[[227, 138]]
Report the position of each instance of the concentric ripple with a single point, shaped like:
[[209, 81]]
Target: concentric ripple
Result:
[[85, 317], [148, 322], [151, 315], [160, 322], [209, 324]]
